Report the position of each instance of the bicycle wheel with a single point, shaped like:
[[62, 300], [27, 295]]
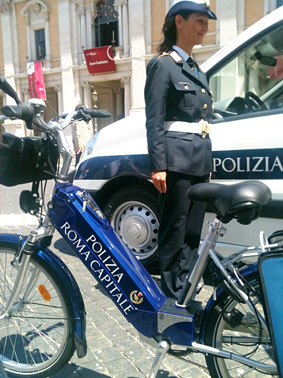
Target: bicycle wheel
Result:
[[233, 327], [37, 338]]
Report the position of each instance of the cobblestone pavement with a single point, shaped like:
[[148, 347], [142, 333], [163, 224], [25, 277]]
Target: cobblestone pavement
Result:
[[114, 347]]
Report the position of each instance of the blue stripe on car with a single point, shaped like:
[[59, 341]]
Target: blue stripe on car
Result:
[[106, 167], [263, 164]]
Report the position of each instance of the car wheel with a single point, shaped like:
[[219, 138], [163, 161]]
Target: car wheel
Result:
[[134, 213]]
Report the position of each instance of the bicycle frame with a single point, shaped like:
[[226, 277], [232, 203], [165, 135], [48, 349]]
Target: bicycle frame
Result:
[[127, 282], [109, 260], [81, 223], [114, 266]]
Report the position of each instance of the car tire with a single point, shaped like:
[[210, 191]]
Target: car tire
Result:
[[134, 214]]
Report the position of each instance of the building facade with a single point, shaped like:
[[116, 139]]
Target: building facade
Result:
[[57, 32]]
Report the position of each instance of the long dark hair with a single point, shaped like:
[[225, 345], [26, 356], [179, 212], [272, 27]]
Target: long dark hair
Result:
[[170, 32]]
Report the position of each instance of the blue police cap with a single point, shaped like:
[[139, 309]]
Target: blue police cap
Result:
[[200, 6]]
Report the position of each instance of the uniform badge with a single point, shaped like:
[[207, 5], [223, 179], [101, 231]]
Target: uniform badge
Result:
[[136, 297]]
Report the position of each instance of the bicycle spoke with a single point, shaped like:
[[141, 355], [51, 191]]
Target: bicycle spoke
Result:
[[34, 334]]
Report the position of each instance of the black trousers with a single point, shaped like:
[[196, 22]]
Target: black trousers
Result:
[[179, 232]]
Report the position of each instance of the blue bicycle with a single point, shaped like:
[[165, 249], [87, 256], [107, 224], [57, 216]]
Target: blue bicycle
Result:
[[42, 314]]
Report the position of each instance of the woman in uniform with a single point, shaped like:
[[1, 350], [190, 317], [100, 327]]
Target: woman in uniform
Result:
[[178, 108]]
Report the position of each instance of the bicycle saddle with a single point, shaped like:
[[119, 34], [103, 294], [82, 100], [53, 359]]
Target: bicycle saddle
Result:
[[241, 201]]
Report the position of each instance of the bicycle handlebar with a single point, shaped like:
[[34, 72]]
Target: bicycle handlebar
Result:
[[94, 113], [31, 112], [24, 111]]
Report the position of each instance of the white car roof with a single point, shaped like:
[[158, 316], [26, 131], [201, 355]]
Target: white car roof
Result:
[[264, 23]]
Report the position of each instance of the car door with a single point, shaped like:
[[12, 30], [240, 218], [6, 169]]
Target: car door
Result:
[[247, 130]]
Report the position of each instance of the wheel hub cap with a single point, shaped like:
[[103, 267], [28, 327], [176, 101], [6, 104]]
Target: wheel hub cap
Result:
[[134, 230], [138, 227]]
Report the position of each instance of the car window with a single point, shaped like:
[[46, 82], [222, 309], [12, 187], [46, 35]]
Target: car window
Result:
[[253, 81]]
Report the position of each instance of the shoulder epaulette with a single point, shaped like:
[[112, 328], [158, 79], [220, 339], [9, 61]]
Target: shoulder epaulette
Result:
[[163, 54], [174, 55]]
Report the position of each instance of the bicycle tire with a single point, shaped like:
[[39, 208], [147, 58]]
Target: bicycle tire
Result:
[[37, 339], [218, 332]]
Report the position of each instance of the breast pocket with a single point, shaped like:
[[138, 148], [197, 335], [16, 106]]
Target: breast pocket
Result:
[[187, 93]]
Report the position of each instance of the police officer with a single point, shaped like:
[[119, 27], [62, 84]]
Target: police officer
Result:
[[178, 108]]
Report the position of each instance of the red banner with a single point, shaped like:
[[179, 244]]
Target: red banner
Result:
[[277, 71], [100, 60], [36, 80]]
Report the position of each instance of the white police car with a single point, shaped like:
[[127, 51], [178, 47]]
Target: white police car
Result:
[[246, 77]]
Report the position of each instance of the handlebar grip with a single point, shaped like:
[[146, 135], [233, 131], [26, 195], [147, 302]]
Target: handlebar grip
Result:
[[97, 113], [38, 121], [6, 87], [24, 111]]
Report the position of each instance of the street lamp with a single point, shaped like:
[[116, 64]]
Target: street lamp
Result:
[[94, 96]]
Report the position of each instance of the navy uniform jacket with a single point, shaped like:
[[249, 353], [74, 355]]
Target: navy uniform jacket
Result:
[[173, 93]]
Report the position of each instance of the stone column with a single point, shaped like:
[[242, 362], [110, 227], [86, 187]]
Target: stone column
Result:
[[94, 36], [87, 99], [269, 6], [47, 60], [147, 29], [89, 13], [8, 51], [10, 59], [83, 26], [226, 31], [227, 20], [127, 94], [168, 5], [58, 89], [15, 45], [240, 18], [125, 21], [118, 102], [68, 85], [77, 38], [29, 38], [137, 43], [120, 25]]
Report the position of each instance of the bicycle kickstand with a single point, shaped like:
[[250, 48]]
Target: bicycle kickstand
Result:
[[162, 349]]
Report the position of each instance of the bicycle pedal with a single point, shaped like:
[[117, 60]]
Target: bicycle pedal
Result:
[[180, 352]]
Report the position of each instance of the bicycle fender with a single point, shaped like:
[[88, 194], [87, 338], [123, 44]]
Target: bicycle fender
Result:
[[70, 284], [245, 272]]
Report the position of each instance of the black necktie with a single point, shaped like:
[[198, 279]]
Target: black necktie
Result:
[[192, 65]]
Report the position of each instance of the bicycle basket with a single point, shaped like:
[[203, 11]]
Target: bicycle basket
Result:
[[27, 159]]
